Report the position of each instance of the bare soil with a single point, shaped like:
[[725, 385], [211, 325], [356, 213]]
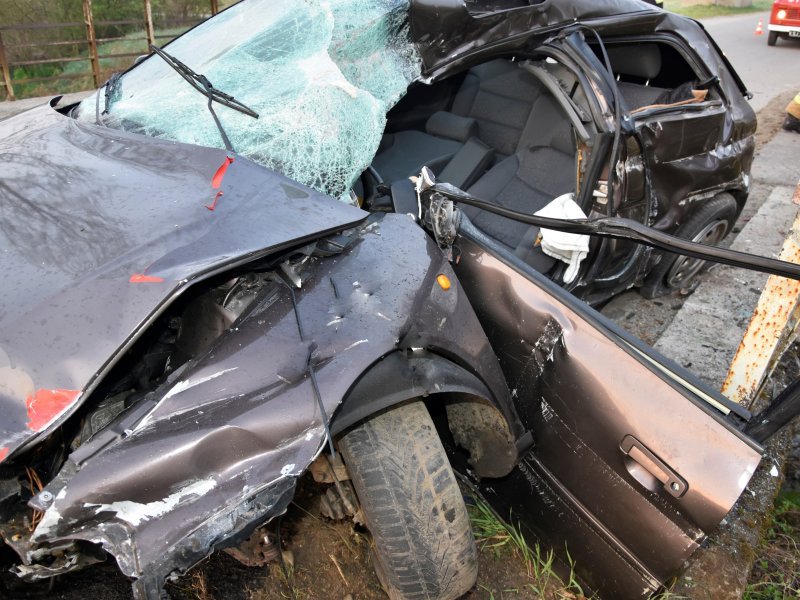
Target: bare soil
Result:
[[331, 560], [771, 117]]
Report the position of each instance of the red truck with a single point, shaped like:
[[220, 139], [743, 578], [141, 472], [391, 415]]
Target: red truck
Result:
[[784, 21]]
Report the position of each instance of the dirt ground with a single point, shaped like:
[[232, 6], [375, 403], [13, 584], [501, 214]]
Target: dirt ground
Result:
[[771, 117], [331, 560]]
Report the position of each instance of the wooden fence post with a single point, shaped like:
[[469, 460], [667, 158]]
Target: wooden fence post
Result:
[[92, 40], [148, 24], [6, 71], [214, 7]]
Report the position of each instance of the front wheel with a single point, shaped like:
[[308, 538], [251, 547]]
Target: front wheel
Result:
[[708, 225], [772, 38], [424, 548]]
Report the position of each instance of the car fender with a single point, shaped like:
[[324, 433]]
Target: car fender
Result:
[[216, 449], [474, 418]]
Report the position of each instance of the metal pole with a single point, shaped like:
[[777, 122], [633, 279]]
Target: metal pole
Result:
[[771, 331], [214, 7], [148, 24], [6, 71], [92, 40]]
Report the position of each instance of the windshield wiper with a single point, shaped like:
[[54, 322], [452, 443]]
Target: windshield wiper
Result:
[[204, 86], [111, 88]]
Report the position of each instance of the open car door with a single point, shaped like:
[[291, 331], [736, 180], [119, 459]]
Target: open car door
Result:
[[633, 462]]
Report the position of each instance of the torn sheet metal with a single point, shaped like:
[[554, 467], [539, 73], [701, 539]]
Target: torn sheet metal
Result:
[[446, 32], [215, 451], [126, 232]]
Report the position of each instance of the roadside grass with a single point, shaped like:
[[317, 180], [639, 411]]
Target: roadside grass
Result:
[[776, 573], [502, 540], [132, 43], [701, 11], [107, 66]]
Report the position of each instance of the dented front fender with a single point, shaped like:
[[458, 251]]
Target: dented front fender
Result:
[[216, 450]]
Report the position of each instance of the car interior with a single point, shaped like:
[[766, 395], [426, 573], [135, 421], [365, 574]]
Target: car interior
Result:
[[508, 131], [496, 132], [652, 74]]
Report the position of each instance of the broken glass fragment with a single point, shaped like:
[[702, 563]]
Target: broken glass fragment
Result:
[[321, 75]]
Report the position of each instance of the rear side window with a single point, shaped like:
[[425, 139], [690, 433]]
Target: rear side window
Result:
[[650, 73], [652, 63]]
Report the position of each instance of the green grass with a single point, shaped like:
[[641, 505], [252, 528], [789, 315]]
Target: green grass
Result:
[[701, 11], [776, 573], [107, 66], [495, 536]]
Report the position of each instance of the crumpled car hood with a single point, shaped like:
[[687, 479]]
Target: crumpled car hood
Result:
[[100, 230]]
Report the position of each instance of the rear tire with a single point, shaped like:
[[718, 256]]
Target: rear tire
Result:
[[772, 38], [709, 224], [424, 548]]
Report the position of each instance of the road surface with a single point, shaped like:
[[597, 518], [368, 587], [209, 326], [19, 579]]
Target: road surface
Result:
[[767, 71]]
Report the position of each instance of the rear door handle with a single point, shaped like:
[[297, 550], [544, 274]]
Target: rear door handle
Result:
[[673, 483]]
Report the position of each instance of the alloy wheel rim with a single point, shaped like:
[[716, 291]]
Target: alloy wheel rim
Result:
[[685, 268]]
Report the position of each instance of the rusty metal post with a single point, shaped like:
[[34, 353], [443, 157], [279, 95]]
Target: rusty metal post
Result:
[[148, 24], [91, 38], [6, 71], [772, 328], [214, 7]]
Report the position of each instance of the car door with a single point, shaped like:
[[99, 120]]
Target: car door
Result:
[[633, 462], [685, 136], [693, 127]]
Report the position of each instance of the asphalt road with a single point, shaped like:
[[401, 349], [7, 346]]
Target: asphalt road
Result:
[[767, 71]]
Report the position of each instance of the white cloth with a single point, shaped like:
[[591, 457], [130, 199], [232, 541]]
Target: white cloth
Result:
[[571, 248]]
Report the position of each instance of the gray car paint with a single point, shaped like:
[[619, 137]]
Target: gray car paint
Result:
[[84, 210]]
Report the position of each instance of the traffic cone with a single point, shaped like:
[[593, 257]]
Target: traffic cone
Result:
[[759, 28]]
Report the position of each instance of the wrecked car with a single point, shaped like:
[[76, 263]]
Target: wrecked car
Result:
[[216, 271]]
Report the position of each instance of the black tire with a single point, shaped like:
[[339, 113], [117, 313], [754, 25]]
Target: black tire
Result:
[[709, 224], [424, 548], [772, 38]]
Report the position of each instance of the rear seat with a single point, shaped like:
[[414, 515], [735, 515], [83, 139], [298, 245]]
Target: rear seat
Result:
[[531, 139], [497, 96], [541, 168], [643, 62]]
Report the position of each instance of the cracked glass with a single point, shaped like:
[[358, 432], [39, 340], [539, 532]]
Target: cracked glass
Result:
[[321, 75]]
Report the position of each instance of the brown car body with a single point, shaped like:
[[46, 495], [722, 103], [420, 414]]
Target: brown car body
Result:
[[170, 376]]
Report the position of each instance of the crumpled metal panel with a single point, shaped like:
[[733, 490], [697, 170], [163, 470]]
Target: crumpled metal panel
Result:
[[444, 30], [99, 230], [583, 386], [159, 488]]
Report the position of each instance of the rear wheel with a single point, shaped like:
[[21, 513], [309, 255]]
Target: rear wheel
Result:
[[424, 548], [772, 38], [708, 225]]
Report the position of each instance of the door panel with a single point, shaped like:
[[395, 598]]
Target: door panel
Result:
[[608, 426]]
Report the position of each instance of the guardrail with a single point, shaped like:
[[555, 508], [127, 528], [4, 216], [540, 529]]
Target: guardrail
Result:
[[89, 43]]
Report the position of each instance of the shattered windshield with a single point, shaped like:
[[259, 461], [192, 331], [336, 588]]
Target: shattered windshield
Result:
[[321, 74]]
